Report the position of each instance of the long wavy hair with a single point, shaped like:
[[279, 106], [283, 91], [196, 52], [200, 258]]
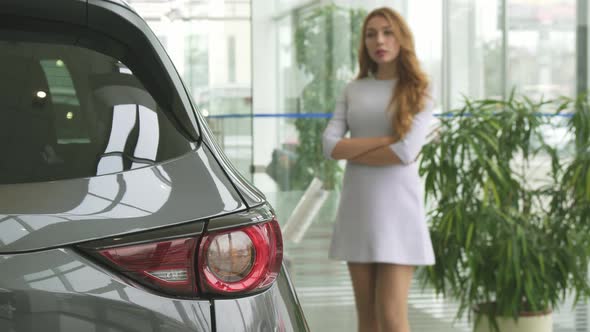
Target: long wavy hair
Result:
[[410, 93]]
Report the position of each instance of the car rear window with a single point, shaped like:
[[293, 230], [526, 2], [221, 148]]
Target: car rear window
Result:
[[69, 112]]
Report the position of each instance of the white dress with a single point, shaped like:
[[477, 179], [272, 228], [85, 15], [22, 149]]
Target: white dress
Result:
[[381, 217]]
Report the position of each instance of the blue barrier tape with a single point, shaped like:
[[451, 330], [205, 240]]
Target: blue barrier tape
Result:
[[549, 115], [329, 115], [276, 115]]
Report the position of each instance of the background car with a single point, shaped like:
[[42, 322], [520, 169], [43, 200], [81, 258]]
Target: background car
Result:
[[118, 211]]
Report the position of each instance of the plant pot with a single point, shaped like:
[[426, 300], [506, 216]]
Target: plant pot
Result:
[[527, 322]]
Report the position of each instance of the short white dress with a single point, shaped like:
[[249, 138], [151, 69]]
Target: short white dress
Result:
[[381, 217]]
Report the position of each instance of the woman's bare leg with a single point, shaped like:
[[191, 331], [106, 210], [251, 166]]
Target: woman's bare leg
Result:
[[391, 297], [363, 282]]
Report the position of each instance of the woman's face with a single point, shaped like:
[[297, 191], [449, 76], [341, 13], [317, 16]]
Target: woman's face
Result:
[[380, 41]]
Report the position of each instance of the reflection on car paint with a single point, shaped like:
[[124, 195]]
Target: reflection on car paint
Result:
[[87, 298], [274, 310], [128, 196]]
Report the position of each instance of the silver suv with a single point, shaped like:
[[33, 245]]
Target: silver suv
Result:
[[118, 211]]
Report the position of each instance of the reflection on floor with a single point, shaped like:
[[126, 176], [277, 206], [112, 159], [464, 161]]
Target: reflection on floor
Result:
[[324, 287]]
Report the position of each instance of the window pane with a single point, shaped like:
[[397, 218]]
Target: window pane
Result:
[[542, 47], [196, 70], [474, 48]]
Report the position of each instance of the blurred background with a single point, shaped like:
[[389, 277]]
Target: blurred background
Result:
[[265, 74]]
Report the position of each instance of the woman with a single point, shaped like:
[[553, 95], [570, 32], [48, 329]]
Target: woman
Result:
[[381, 229]]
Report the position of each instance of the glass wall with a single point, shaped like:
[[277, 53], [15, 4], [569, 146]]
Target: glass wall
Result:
[[542, 47], [529, 47], [473, 50]]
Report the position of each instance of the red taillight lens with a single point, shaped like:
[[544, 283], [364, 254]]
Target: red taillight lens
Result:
[[235, 261], [243, 260], [166, 266]]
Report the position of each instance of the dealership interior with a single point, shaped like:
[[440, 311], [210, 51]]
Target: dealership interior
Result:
[[250, 66]]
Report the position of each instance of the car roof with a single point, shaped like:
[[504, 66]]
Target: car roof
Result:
[[120, 2]]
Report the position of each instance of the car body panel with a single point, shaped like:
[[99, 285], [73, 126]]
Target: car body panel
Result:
[[251, 196], [259, 214], [59, 290], [277, 309], [192, 187]]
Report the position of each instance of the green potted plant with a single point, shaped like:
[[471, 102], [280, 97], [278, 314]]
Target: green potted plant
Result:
[[510, 214], [575, 182]]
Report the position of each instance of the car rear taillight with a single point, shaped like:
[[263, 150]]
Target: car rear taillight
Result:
[[166, 266], [241, 260], [234, 261]]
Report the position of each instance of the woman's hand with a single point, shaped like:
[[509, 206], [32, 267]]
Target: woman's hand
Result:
[[350, 148], [381, 156], [390, 140]]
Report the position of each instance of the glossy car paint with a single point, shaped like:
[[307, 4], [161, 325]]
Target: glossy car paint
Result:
[[47, 285], [193, 187], [277, 309]]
